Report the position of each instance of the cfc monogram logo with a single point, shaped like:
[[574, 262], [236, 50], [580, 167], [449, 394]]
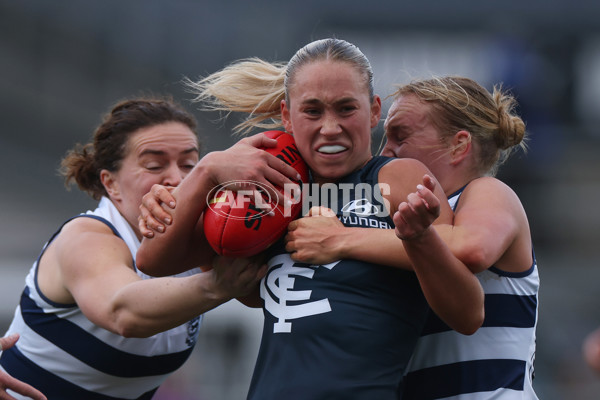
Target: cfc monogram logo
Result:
[[277, 290]]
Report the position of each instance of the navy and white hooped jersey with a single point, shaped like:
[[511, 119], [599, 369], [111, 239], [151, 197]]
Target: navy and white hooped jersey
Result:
[[344, 330], [496, 362], [66, 356]]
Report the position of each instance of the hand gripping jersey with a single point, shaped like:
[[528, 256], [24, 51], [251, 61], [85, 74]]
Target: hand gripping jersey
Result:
[[67, 357], [494, 363], [344, 330]]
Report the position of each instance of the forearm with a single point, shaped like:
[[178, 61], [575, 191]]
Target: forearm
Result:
[[378, 246], [451, 289], [150, 306]]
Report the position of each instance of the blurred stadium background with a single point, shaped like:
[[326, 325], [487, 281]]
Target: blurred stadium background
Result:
[[64, 62]]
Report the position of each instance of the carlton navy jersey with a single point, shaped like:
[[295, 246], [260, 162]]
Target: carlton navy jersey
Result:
[[344, 330]]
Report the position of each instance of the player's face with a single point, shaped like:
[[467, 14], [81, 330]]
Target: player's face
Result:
[[331, 117], [162, 154], [410, 133]]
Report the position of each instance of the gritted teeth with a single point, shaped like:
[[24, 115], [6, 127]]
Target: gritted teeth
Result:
[[331, 149]]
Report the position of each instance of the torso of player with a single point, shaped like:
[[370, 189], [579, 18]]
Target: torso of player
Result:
[[327, 325]]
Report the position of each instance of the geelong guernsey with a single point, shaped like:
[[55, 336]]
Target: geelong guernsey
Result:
[[344, 330], [67, 357], [494, 363]]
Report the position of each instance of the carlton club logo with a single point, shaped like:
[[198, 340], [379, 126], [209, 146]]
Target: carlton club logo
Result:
[[243, 194], [282, 301]]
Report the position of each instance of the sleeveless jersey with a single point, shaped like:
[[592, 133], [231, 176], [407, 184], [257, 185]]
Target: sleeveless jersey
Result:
[[496, 362], [67, 357], [344, 330]]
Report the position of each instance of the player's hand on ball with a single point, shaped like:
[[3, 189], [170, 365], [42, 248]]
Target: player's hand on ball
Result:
[[417, 213], [247, 161], [245, 222]]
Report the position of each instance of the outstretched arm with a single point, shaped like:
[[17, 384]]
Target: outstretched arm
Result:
[[97, 273]]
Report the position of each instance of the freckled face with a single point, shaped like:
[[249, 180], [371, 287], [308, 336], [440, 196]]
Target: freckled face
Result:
[[331, 117], [410, 134], [162, 154]]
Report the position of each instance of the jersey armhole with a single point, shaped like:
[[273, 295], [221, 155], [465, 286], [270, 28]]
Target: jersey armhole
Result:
[[37, 261]]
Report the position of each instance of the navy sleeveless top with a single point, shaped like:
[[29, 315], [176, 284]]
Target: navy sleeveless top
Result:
[[345, 330]]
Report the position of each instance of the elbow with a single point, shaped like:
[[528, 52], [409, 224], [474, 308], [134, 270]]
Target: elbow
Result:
[[465, 322], [128, 330], [472, 325], [127, 325], [473, 318], [475, 258], [468, 331], [467, 326], [143, 267], [143, 264]]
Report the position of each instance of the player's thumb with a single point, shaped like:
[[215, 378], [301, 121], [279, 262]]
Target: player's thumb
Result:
[[429, 182]]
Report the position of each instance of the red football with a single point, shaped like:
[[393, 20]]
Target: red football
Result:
[[236, 224]]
